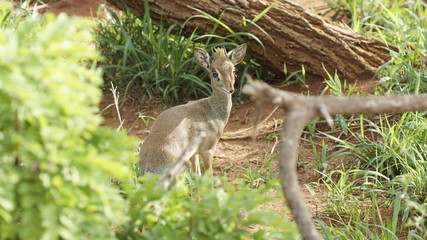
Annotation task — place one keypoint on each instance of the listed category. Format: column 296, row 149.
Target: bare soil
column 85, row 8
column 233, row 156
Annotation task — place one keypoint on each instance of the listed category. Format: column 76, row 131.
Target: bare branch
column 337, row 105
column 181, row 164
column 299, row 111
column 238, row 134
column 294, row 122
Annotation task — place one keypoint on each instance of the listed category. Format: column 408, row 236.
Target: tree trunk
column 298, row 36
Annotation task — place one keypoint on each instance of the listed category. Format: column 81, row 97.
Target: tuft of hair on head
column 221, row 54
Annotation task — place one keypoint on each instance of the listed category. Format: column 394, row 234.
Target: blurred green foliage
column 63, row 176
column 205, row 208
column 56, row 162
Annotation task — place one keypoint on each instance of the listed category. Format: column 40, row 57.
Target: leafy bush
column 56, row 162
column 204, row 208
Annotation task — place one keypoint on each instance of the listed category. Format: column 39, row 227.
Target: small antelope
column 174, row 128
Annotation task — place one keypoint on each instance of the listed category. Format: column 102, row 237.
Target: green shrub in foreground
column 56, row 162
column 204, row 208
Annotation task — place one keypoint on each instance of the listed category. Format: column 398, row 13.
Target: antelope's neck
column 221, row 103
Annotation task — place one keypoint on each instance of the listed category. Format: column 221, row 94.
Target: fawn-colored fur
column 175, row 128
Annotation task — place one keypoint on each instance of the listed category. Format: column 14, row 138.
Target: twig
column 235, row 135
column 258, row 133
column 116, row 96
column 299, row 110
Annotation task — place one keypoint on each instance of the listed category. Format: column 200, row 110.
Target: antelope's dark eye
column 234, row 73
column 214, row 73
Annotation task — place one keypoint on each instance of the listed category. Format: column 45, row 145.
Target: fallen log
column 298, row 37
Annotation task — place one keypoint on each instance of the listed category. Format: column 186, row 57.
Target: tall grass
column 12, row 18
column 157, row 57
column 357, row 206
column 392, row 21
column 385, row 196
column 395, row 147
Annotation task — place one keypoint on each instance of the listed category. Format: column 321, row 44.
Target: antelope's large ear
column 202, row 57
column 238, row 54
